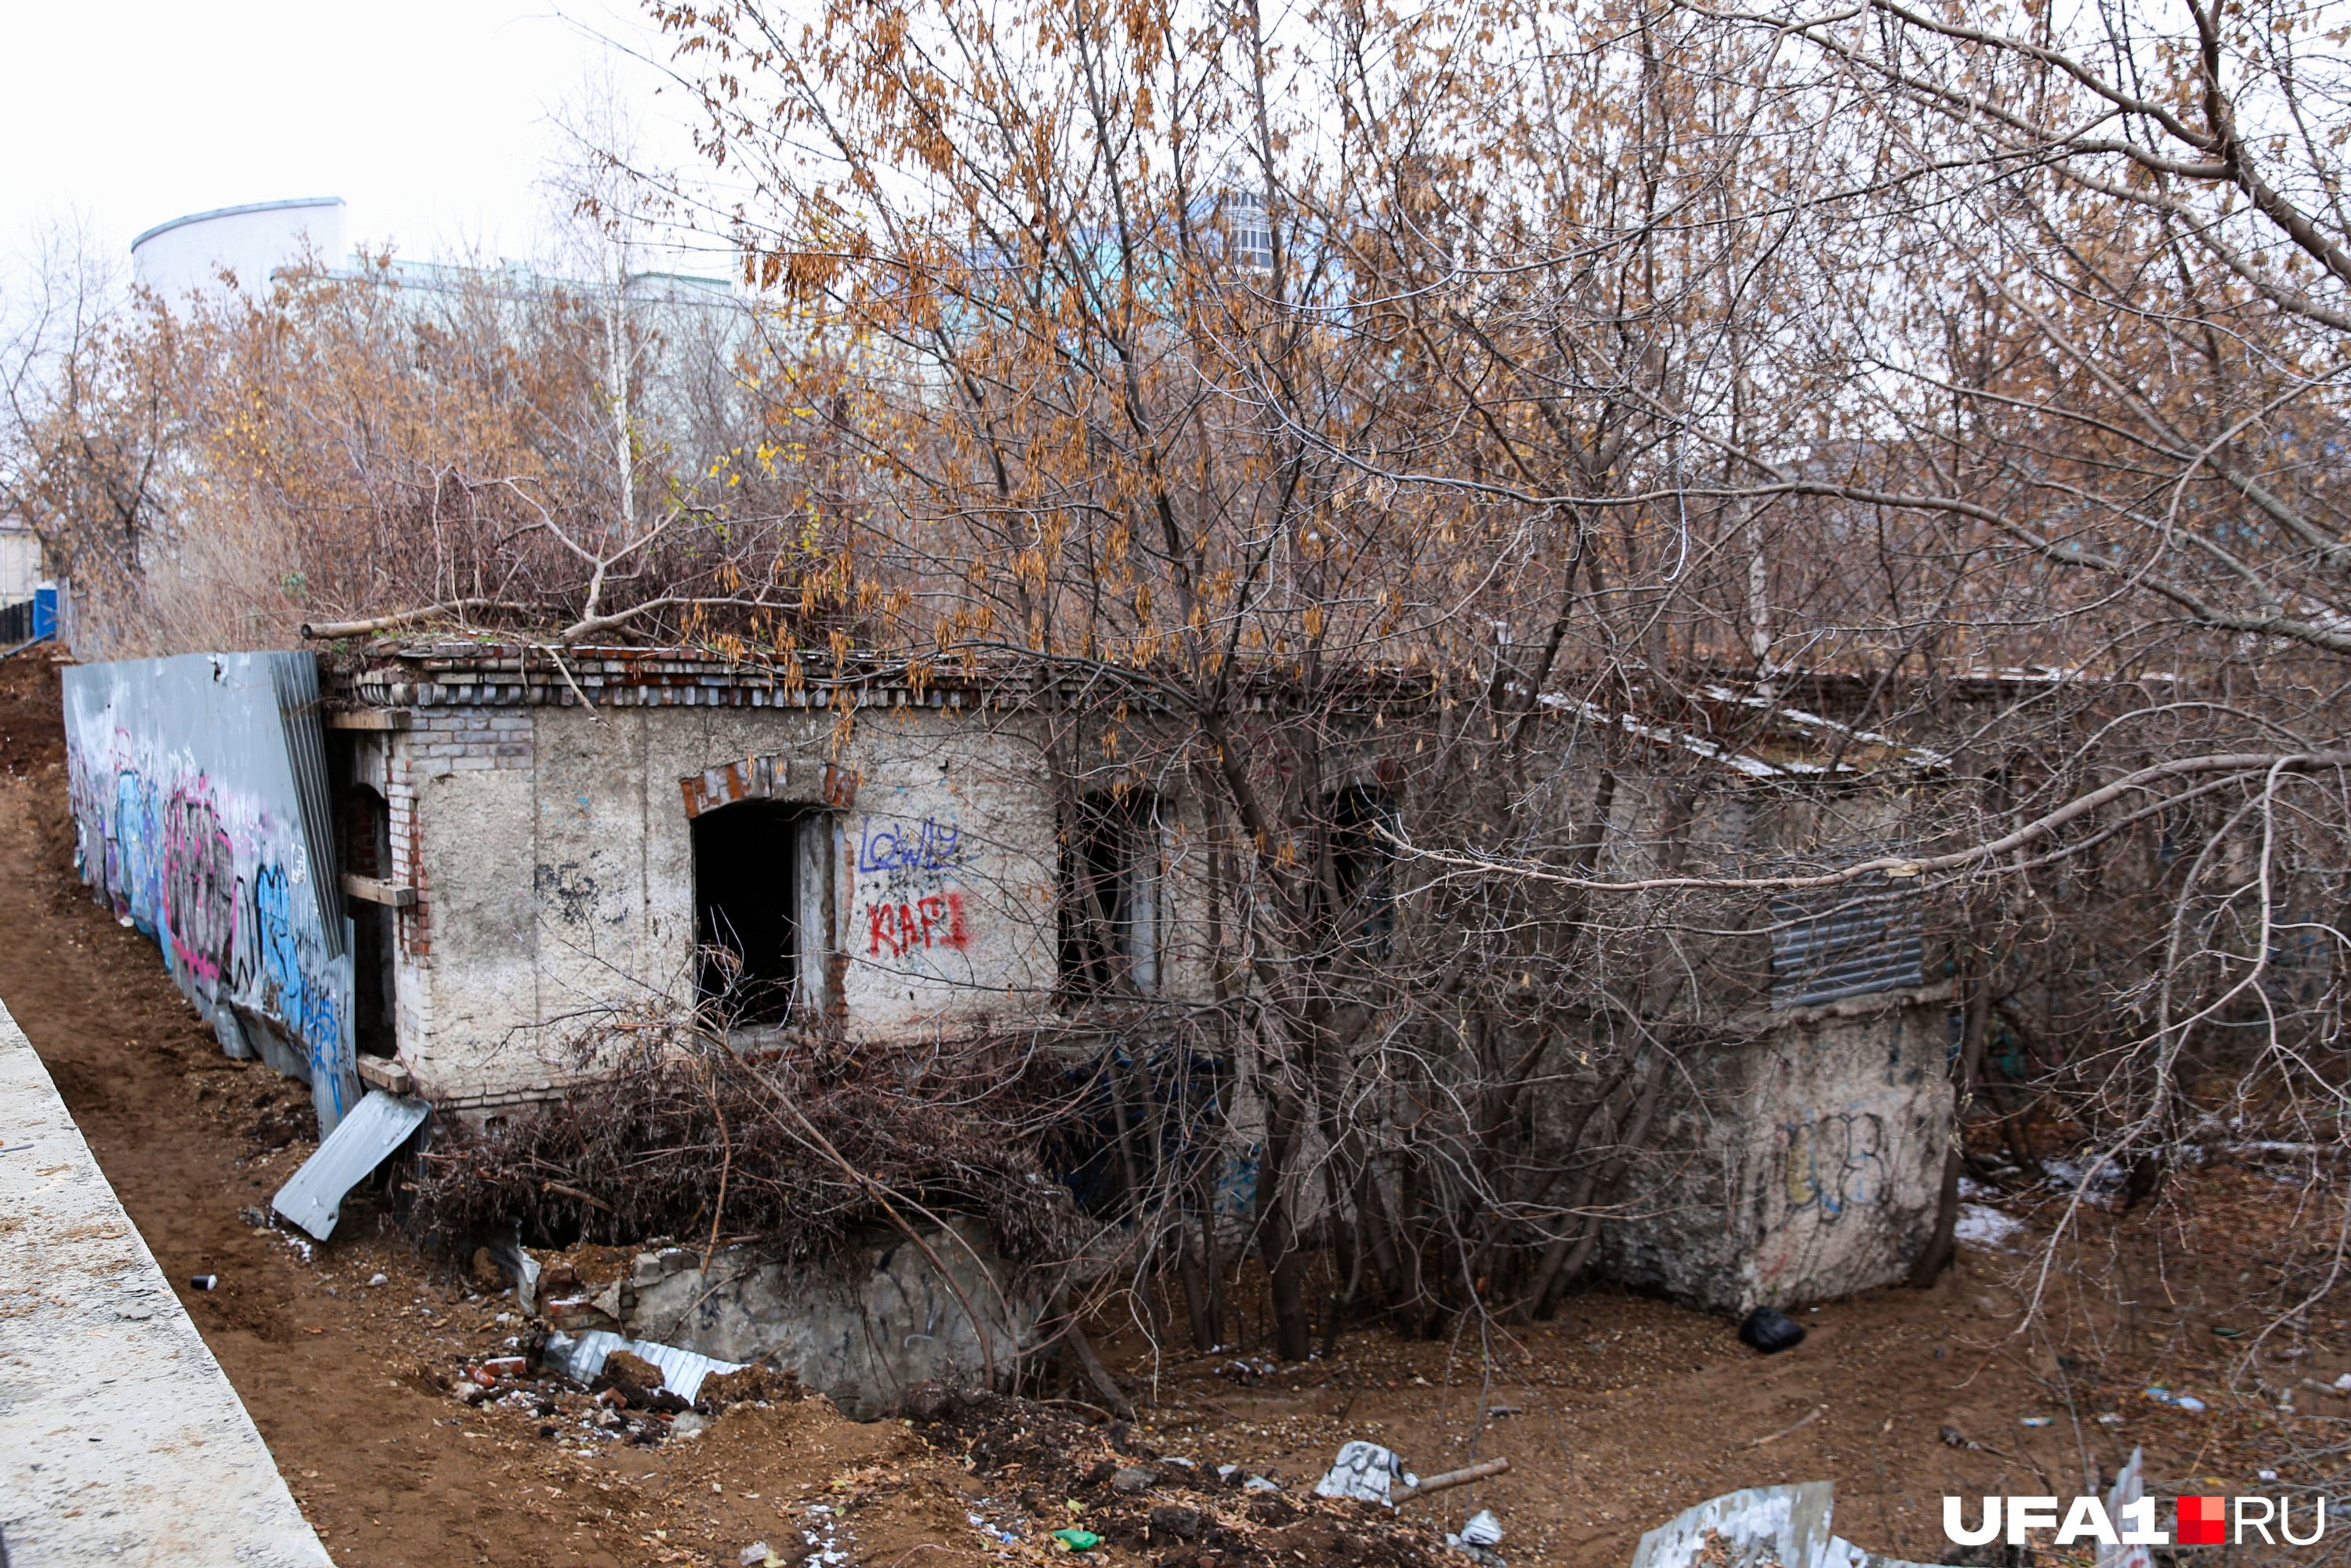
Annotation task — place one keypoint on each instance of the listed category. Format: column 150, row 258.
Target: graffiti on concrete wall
column 192, row 820
column 910, row 896
column 1830, row 1164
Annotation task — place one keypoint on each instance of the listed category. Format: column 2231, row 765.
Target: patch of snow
column 1979, row 1226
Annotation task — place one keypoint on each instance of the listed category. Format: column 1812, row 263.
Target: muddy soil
column 1614, row 1418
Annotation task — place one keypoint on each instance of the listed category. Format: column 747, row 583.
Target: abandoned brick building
column 489, row 848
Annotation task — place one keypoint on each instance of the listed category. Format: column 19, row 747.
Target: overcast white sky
column 429, row 118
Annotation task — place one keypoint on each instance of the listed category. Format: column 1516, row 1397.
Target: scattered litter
column 2266, row 1475
column 1363, row 1471
column 2129, row 1489
column 1955, row 1439
column 2344, row 1383
column 2111, row 1419
column 2163, row 1396
column 1483, row 1529
column 1501, row 1412
column 2065, row 1176
column 2040, row 1420
column 1259, row 1483
column 1770, row 1330
column 1077, row 1539
column 1479, row 1537
column 687, row 1424
column 758, row 1555
column 257, row 1217
column 506, row 1249
column 1979, row 1226
column 378, row 1279
column 205, row 1282
column 1174, row 1519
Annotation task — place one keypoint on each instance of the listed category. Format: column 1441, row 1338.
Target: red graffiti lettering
column 935, row 921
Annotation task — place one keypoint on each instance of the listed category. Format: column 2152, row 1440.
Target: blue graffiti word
column 933, row 845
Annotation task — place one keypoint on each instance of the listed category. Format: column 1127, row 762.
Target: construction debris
column 582, row 1358
column 1451, row 1479
column 1761, row 1527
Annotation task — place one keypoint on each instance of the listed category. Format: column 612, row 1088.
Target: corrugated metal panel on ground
column 1849, row 941
column 582, row 1358
column 1761, row 1527
column 364, row 1140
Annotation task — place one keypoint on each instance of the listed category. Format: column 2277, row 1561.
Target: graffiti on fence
column 199, row 885
column 189, row 825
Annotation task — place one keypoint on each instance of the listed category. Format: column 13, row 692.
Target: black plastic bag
column 1770, row 1330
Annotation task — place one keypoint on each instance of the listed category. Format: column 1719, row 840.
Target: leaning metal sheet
column 364, row 1140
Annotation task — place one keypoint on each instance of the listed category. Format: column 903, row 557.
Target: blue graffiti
column 137, row 872
column 296, row 989
column 933, row 845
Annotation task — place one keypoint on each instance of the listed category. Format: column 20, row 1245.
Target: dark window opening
column 1110, row 897
column 1361, row 889
column 367, row 852
column 746, row 881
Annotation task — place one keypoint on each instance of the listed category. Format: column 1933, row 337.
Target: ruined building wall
column 552, row 855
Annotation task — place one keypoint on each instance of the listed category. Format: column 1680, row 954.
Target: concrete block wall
column 1803, row 1164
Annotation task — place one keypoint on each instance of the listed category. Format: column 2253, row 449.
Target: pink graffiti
column 898, row 929
column 199, row 885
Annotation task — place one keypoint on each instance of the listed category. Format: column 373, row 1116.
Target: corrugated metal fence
column 201, row 814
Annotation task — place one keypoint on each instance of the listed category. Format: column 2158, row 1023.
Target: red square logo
column 2203, row 1521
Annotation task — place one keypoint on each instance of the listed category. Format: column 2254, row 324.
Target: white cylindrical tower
column 250, row 243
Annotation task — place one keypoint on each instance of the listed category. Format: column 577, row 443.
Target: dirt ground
column 1614, row 1418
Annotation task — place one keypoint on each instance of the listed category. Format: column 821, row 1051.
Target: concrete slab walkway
column 121, row 1439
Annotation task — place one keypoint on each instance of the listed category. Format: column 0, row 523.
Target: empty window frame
column 1111, row 885
column 1358, row 890
column 763, row 876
